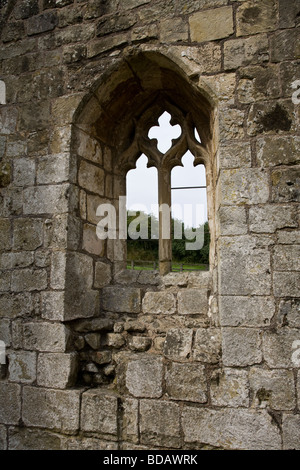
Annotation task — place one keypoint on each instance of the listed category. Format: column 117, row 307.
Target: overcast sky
column 188, row 205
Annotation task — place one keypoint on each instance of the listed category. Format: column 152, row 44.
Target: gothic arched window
column 164, row 154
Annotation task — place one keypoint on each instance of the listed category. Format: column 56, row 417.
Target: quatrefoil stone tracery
column 165, row 133
column 144, row 144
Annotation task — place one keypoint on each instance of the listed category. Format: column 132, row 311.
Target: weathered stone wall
column 99, row 357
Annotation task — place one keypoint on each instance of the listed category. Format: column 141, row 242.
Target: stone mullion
column 164, row 199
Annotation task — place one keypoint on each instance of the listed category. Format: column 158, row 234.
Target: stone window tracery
column 164, row 158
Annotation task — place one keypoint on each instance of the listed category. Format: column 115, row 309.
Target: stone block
column 271, row 118
column 3, row 140
column 93, row 340
column 235, row 155
column 49, row 199
column 45, row 337
column 5, row 174
column 72, row 54
column 186, row 382
column 115, row 340
column 3, row 438
column 159, row 432
column 22, row 366
column 245, row 51
column 286, row 284
column 57, row 370
column 90, row 241
column 223, row 85
column 13, row 31
column 16, row 148
column 139, row 343
column 204, row 57
column 144, row 377
column 58, row 270
column 12, row 260
column 288, row 314
column 229, row 387
column 193, row 302
column 298, row 378
column 289, row 73
column 144, row 32
column 115, row 24
column 207, row 345
column 81, row 301
column 241, row 429
column 29, row 280
column 52, row 305
column 231, row 124
column 10, row 398
column 258, row 83
column 53, row 169
column 88, row 443
column 159, row 303
column 24, row 172
column 16, row 305
column 5, row 281
column 55, row 3
column 233, row 220
column 286, row 185
column 272, row 388
column 284, row 45
column 52, row 409
column 246, row 311
column 8, row 120
column 60, row 140
column 130, row 4
column 89, row 148
column 212, row 24
column 63, row 108
column 241, row 346
column 105, row 44
column 291, row 432
column 26, row 9
column 272, row 217
column 289, row 237
column 34, row 114
column 34, row 439
column 286, row 258
column 121, row 299
column 27, row 234
column 91, row 177
column 5, row 235
column 130, row 427
column 178, row 343
column 281, row 348
column 173, row 30
column 244, row 266
column 273, row 151
column 244, row 186
column 256, row 16
column 41, row 23
column 99, row 413
column 288, row 10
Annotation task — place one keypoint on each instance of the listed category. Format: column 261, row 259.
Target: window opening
column 142, row 216
column 165, row 145
column 190, row 241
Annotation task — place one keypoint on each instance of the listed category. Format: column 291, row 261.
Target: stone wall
column 100, row 357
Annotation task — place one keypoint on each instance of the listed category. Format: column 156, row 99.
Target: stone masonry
column 101, row 357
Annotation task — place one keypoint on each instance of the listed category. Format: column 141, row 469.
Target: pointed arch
column 115, row 118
